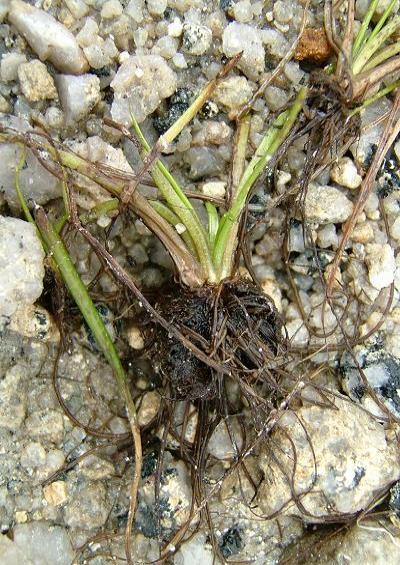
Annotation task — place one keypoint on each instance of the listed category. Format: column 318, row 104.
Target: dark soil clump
column 234, row 324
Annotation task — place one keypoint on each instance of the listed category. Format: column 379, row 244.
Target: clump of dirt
column 235, row 324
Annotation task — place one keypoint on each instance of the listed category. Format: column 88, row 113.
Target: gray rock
column 42, row 542
column 370, row 541
column 196, row 39
column 232, row 92
column 175, row 498
column 344, row 172
column 10, row 553
column 327, row 205
column 196, row 550
column 242, row 37
column 46, row 425
column 381, row 264
column 140, row 84
column 47, row 37
column 381, row 371
column 12, row 398
column 88, row 507
column 363, row 149
column 343, row 458
column 34, row 322
column 78, row 95
column 9, row 65
column 227, row 440
column 36, row 182
column 203, row 162
column 21, row 265
column 275, row 42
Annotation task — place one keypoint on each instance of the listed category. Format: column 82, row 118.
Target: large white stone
column 244, row 38
column 47, row 37
column 335, row 458
column 381, row 264
column 21, row 265
column 36, row 182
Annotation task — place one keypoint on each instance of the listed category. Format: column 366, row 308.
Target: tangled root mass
column 234, row 323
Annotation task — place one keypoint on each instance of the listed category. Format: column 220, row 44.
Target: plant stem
column 174, row 220
column 360, row 39
column 373, row 43
column 180, row 205
column 103, row 339
column 197, row 105
column 229, row 224
column 239, row 155
column 374, row 98
column 383, row 55
column 213, row 222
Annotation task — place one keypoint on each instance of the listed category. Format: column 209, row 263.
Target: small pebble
column 135, row 337
column 36, row 82
column 111, row 9
column 232, row 92
column 327, row 204
column 381, row 264
column 196, row 39
column 78, row 95
column 344, row 172
column 244, row 38
column 56, row 493
column 214, row 189
column 21, row 265
column 9, row 65
column 175, row 28
column 156, row 7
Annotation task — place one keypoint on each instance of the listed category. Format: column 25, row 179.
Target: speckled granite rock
column 339, row 473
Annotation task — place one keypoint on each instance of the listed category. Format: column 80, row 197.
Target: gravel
column 327, row 205
column 65, row 67
column 139, row 86
column 244, row 38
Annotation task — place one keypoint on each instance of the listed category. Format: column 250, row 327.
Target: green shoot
column 213, row 222
column 365, row 46
column 363, row 31
column 271, row 142
column 175, row 221
column 181, row 206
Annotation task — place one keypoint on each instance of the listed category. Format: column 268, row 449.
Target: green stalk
column 197, row 104
column 81, row 296
column 226, row 237
column 98, row 210
column 213, row 222
column 360, row 39
column 180, row 205
column 382, row 19
column 239, row 155
column 383, row 55
column 20, row 196
column 373, row 44
column 174, row 220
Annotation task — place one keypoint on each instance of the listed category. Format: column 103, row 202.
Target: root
column 236, row 326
